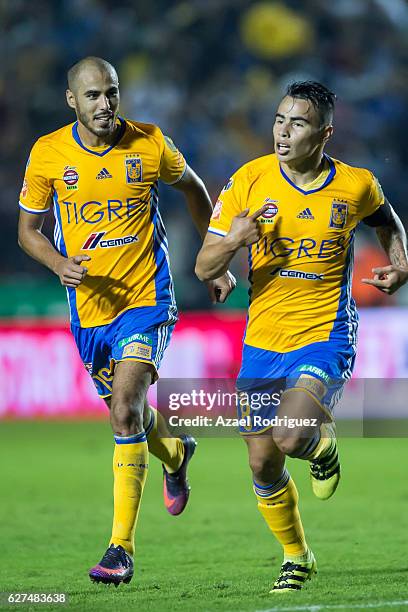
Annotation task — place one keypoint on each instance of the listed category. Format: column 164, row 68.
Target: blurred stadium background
column 210, row 73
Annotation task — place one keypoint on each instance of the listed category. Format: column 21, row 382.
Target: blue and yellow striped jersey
column 301, row 268
column 105, row 202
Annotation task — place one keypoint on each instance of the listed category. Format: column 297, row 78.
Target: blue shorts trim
column 265, row 375
column 139, row 334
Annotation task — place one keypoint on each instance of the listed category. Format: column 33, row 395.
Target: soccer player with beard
column 100, row 175
column 297, row 211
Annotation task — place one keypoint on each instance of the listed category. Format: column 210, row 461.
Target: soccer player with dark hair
column 100, row 175
column 297, row 211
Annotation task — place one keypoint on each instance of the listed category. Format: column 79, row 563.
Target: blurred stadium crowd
column 210, row 73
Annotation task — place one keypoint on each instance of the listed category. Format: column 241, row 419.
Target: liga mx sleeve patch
column 136, row 349
column 216, row 214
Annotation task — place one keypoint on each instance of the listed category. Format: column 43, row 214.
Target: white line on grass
column 317, row 608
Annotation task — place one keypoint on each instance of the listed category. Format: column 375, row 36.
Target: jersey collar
column 328, row 180
column 119, row 135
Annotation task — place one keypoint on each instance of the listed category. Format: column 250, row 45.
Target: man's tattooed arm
column 393, row 239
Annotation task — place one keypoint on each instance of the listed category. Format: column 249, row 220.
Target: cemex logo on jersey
column 297, row 274
column 95, row 240
column 103, row 174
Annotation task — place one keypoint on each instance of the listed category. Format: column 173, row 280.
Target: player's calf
column 308, row 433
column 322, row 453
column 291, row 444
column 299, row 418
column 265, row 459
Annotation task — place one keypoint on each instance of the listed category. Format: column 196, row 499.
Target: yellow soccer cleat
column 293, row 575
column 324, row 463
column 325, row 473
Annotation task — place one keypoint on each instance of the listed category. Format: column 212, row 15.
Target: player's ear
column 70, row 98
column 327, row 133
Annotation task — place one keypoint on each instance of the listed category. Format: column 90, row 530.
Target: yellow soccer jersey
column 105, row 202
column 300, row 271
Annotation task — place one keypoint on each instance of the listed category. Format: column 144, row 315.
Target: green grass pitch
column 56, row 510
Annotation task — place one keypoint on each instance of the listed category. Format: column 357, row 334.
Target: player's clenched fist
column 245, row 229
column 70, row 271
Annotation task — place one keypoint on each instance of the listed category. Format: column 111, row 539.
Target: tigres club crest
column 338, row 215
column 134, row 169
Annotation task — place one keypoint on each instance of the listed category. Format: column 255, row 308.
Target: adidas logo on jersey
column 104, row 173
column 306, row 214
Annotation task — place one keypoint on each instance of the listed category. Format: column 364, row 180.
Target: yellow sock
column 169, row 450
column 130, row 465
column 281, row 513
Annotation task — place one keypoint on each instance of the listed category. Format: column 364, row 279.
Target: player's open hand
column 220, row 288
column 387, row 279
column 70, row 271
column 245, row 229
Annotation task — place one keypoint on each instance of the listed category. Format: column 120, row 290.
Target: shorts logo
column 338, row 215
column 141, row 337
column 70, row 177
column 217, row 210
column 134, row 169
column 136, row 349
column 270, row 213
column 315, row 370
column 95, row 240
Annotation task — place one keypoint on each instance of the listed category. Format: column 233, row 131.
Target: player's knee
column 125, row 418
column 291, row 445
column 263, row 468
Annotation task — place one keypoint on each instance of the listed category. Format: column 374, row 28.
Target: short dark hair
column 75, row 70
column 320, row 96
